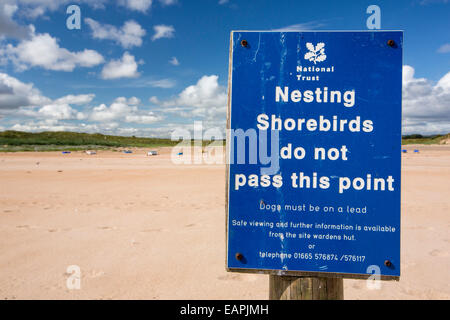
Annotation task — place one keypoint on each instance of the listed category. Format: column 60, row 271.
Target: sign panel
column 314, row 151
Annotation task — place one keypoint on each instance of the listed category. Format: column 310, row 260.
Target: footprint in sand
column 357, row 285
column 438, row 253
column 239, row 277
column 230, row 276
column 26, row 226
column 106, row 228
column 154, row 230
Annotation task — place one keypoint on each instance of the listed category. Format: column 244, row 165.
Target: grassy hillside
column 419, row 139
column 73, row 141
column 48, row 141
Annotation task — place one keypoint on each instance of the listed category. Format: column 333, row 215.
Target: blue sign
column 315, row 153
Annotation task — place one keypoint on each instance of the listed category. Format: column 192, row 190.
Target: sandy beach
column 143, row 228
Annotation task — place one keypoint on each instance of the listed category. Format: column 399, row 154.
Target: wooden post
column 305, row 288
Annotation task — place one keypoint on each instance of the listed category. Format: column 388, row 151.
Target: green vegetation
column 419, row 139
column 11, row 141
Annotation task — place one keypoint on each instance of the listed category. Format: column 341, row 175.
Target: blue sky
column 142, row 67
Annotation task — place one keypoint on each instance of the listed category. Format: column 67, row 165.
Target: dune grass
column 73, row 141
column 419, row 139
column 14, row 141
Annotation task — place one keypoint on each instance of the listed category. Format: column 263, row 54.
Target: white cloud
column 206, row 99
column 151, row 82
column 8, row 27
column 144, row 5
column 133, row 101
column 168, row 2
column 174, row 61
column 154, row 100
column 59, row 112
column 163, row 83
column 59, row 109
column 426, row 106
column 223, row 1
column 163, row 31
column 137, row 5
column 57, row 125
column 42, row 50
column 445, row 48
column 14, row 93
column 129, row 35
column 123, row 109
column 142, row 119
column 79, row 99
column 122, row 68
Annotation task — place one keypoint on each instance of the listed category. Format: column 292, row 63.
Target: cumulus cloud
column 163, row 31
column 129, row 35
column 144, row 5
column 125, row 110
column 206, row 99
column 174, row 61
column 15, row 94
column 42, row 50
column 445, row 48
column 59, row 109
column 426, row 106
column 136, row 5
column 24, row 108
column 126, row 67
column 154, row 100
column 57, row 125
column 59, row 112
column 79, row 99
column 8, row 27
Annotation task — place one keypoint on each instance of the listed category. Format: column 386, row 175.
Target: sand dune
column 141, row 227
